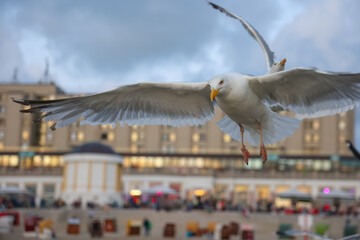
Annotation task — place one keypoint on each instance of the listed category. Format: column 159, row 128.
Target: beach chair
column 169, row 230
column 350, row 230
column 321, row 229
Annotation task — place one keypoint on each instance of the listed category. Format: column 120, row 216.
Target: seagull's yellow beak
column 283, row 61
column 213, row 94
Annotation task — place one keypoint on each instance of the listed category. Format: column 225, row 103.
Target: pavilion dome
column 94, row 147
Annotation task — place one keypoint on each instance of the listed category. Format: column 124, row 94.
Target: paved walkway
column 265, row 224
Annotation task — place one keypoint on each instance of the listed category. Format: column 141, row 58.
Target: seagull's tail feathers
column 274, row 129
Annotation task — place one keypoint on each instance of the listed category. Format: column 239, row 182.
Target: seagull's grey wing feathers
column 269, row 55
column 173, row 104
column 308, row 92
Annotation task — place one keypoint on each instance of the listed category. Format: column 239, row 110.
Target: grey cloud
column 325, row 36
column 109, row 39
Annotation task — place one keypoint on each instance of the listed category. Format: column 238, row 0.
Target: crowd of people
column 208, row 204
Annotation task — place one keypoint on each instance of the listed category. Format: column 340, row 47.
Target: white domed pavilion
column 92, row 173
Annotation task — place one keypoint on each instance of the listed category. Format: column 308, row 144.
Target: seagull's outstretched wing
column 269, row 55
column 173, row 104
column 308, row 92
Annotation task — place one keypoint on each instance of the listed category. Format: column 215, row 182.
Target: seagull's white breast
column 240, row 103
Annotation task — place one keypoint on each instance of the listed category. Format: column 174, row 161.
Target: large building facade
column 183, row 158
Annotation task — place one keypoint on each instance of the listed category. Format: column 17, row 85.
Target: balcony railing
column 234, row 173
column 37, row 171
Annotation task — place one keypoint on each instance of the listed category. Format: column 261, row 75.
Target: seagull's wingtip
column 18, row 100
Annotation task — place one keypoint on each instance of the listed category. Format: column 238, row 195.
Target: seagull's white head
column 218, row 85
column 278, row 66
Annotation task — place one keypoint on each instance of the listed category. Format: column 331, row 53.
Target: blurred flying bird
column 269, row 55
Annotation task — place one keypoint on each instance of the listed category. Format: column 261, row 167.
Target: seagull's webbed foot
column 263, row 153
column 246, row 154
column 244, row 151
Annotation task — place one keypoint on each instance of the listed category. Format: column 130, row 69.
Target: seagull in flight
column 269, row 55
column 246, row 100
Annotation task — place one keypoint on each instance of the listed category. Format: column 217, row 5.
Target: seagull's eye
column 275, row 64
column 221, row 82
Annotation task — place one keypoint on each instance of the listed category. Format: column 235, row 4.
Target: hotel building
column 186, row 158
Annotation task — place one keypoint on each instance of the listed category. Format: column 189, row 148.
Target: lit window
column 80, row 136
column 54, row 161
column 25, row 135
column 172, row 137
column 199, row 162
column 195, row 149
column 327, row 165
column 5, row 160
column 37, row 161
column 195, row 137
column 316, row 124
column 159, row 162
column 307, row 137
column 316, row 138
column 111, row 136
column 317, row 165
column 14, row 161
column 227, row 138
column 342, row 125
column 134, row 136
column 47, row 161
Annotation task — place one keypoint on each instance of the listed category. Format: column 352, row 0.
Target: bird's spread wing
column 308, row 92
column 269, row 55
column 173, row 104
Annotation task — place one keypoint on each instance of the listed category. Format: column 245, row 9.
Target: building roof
column 94, row 147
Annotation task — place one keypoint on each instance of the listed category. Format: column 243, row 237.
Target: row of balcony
column 217, row 173
column 243, row 173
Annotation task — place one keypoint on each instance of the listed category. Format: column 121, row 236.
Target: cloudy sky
column 98, row 45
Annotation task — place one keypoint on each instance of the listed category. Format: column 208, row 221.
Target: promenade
column 265, row 225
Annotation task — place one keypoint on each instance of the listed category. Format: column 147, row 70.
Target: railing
column 37, row 171
column 237, row 173
column 223, row 173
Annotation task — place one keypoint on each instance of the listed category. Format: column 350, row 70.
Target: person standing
column 147, row 226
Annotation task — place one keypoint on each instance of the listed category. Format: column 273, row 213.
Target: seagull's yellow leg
column 263, row 153
column 244, row 151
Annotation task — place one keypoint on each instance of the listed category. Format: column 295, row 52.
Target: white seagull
column 272, row 66
column 246, row 101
